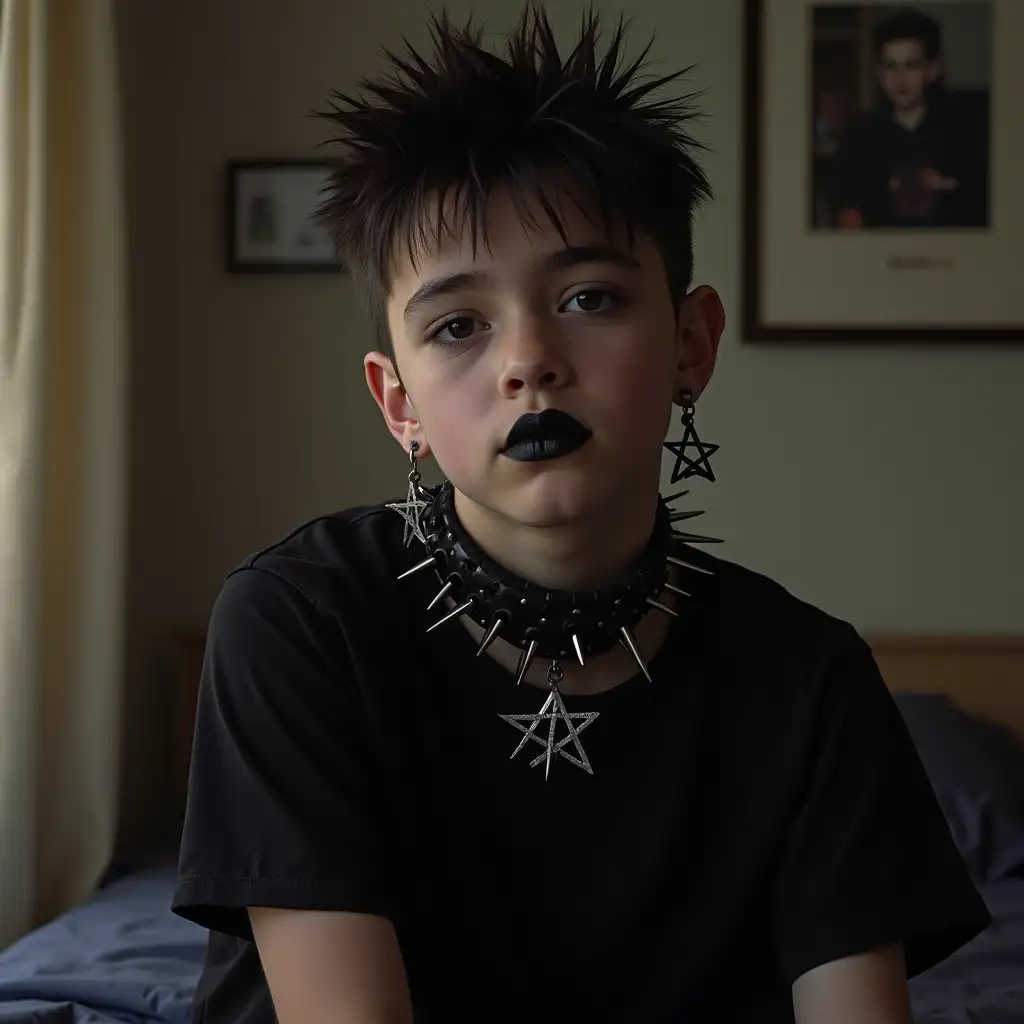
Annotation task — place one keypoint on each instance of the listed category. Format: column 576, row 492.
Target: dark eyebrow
column 438, row 286
column 560, row 259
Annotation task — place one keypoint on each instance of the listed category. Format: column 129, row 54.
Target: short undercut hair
column 909, row 24
column 423, row 146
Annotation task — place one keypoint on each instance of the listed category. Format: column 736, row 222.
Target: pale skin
column 593, row 332
column 905, row 71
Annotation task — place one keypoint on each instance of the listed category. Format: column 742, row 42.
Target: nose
column 532, row 360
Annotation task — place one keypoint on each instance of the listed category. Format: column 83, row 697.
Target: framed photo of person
column 883, row 171
column 269, row 225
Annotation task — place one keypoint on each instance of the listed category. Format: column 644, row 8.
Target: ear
column 699, row 327
column 933, row 70
column 393, row 401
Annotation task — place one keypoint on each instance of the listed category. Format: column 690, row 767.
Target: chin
column 546, row 511
column 553, row 496
column 558, row 492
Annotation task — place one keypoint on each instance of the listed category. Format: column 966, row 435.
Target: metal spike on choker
column 542, row 623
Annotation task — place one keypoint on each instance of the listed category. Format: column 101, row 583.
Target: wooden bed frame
column 984, row 675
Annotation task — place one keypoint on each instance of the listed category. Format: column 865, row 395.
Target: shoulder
column 364, row 536
column 330, row 558
column 864, row 128
column 320, row 583
column 760, row 613
column 773, row 650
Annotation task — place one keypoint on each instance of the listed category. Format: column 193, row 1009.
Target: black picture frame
column 265, row 229
column 756, row 329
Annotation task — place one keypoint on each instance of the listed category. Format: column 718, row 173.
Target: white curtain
column 63, row 372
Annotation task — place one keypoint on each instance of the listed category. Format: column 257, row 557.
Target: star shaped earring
column 415, row 504
column 687, row 465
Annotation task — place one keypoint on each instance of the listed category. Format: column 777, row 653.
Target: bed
column 123, row 958
column 963, row 701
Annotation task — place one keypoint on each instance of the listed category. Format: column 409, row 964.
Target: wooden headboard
column 984, row 675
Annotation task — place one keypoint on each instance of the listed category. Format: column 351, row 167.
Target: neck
column 911, row 117
column 586, row 553
column 582, row 555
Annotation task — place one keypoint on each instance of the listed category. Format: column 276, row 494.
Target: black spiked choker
column 550, row 624
column 554, row 624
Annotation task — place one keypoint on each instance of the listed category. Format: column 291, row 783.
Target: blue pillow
column 977, row 772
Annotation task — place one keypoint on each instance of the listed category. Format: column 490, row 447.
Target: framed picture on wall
column 269, row 225
column 883, row 171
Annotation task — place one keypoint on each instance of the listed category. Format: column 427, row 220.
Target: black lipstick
column 550, row 434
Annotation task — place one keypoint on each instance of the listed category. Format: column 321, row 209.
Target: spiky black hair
column 424, row 145
column 909, row 23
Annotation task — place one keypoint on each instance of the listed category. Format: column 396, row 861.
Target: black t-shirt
column 879, row 165
column 755, row 811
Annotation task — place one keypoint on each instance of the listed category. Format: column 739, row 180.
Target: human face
column 529, row 323
column 905, row 72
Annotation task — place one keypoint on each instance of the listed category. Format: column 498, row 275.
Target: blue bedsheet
column 982, row 983
column 120, row 958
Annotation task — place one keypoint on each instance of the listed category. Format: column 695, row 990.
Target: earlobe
column 393, row 400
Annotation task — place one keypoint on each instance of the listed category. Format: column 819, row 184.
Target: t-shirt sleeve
column 869, row 860
column 280, row 808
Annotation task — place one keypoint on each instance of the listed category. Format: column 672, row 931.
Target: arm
column 869, row 988
column 871, row 889
column 282, row 733
column 331, row 967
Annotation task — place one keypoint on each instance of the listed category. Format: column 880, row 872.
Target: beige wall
column 884, row 484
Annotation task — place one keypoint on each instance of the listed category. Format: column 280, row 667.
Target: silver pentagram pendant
column 553, row 712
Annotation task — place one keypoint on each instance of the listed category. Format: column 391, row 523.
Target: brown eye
column 591, row 300
column 460, row 327
column 455, row 330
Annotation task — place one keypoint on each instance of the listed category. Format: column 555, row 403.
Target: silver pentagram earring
column 416, row 502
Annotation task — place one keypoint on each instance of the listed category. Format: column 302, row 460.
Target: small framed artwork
column 883, row 171
column 270, row 226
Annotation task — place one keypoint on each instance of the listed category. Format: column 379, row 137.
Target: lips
column 551, row 434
